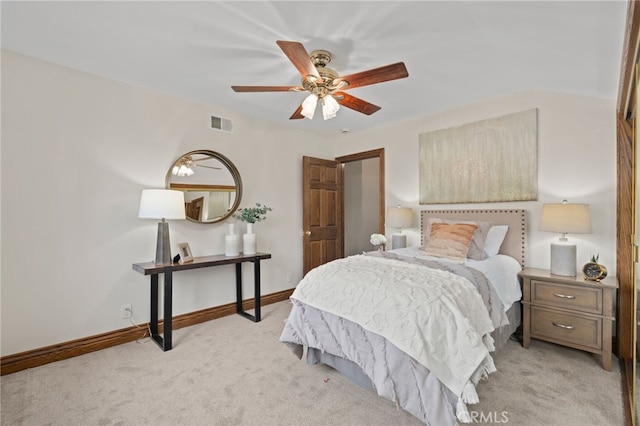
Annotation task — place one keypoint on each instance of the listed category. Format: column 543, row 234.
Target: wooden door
column 322, row 215
column 193, row 209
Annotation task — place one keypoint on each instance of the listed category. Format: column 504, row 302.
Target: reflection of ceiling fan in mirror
column 325, row 84
column 184, row 166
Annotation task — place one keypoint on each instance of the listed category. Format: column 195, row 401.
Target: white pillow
column 494, row 239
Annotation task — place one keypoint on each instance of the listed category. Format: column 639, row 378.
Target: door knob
column 307, row 233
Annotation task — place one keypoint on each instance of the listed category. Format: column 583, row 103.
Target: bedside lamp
column 399, row 217
column 565, row 218
column 162, row 204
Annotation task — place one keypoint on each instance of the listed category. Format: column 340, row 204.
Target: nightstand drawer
column 576, row 329
column 583, row 299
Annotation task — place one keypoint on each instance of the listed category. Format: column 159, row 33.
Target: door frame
column 374, row 153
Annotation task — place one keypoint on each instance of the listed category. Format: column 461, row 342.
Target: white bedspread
column 435, row 316
column 501, row 270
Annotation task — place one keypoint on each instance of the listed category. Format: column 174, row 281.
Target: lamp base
column 563, row 259
column 398, row 241
column 163, row 246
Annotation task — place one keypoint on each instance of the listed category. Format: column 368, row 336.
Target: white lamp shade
column 566, row 218
column 161, row 204
column 399, row 217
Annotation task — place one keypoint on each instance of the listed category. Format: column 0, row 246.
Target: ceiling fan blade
column 356, row 104
column 297, row 113
column 266, row 88
column 376, row 75
column 299, row 57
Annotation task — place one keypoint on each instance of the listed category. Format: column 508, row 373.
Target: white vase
column 231, row 242
column 249, row 241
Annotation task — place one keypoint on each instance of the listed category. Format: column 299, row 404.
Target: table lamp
column 162, row 204
column 565, row 218
column 399, row 217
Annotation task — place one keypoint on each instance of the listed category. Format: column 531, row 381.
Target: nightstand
column 569, row 311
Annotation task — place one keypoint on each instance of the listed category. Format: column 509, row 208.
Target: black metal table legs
column 256, row 287
column 164, row 340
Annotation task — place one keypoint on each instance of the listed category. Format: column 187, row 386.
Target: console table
column 150, row 268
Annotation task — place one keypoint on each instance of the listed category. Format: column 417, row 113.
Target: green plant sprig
column 252, row 214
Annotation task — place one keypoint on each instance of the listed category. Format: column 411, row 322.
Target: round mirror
column 211, row 184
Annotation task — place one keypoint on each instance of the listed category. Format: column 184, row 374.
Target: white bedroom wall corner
column 71, row 259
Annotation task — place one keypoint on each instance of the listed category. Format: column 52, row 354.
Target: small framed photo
column 185, row 253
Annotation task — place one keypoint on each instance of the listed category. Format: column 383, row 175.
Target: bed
column 418, row 324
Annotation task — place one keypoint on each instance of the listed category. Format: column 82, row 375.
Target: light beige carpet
column 231, row 371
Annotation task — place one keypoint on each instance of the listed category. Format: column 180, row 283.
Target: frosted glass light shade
column 329, row 107
column 182, row 170
column 161, row 204
column 309, row 106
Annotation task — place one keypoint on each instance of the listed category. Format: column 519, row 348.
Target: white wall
column 576, row 161
column 361, row 203
column 78, row 149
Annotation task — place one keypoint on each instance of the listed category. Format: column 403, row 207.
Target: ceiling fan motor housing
column 320, row 58
column 325, row 85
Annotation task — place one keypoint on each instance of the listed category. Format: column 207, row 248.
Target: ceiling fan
column 184, row 166
column 326, row 84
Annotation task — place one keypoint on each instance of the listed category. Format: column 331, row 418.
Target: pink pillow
column 477, row 247
column 450, row 240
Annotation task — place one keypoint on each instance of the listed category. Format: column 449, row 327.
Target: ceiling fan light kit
column 182, row 170
column 184, row 166
column 326, row 84
column 329, row 106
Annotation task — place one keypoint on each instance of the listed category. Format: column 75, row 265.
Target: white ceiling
column 456, row 52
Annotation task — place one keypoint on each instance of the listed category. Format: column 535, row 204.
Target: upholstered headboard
column 514, row 243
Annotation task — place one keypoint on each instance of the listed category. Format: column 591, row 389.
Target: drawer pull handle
column 564, row 296
column 566, row 327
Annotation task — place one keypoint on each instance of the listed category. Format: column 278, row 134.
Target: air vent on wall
column 222, row 124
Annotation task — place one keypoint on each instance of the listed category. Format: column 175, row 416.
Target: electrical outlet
column 126, row 311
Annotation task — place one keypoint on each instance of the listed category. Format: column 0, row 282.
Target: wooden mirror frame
column 186, row 187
